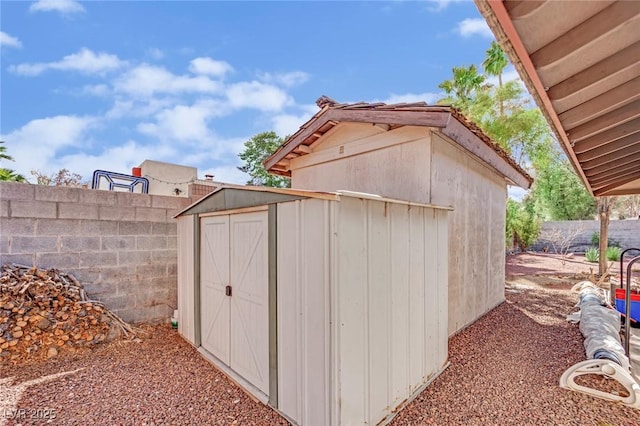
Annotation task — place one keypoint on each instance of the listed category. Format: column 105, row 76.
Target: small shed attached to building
column 428, row 154
column 331, row 307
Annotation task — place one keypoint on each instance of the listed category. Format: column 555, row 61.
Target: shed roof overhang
column 581, row 63
column 233, row 197
column 447, row 120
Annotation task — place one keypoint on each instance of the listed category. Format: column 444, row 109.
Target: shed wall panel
column 303, row 310
column 418, row 315
column 186, row 259
column 388, row 344
column 344, row 133
column 476, row 231
column 376, row 172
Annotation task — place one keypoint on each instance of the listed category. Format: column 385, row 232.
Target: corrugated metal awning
column 581, row 62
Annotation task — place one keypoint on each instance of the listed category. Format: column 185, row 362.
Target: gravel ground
column 548, row 264
column 161, row 381
column 504, row 371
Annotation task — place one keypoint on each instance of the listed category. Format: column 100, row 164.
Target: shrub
column 595, row 241
column 613, row 253
column 592, row 255
column 523, row 225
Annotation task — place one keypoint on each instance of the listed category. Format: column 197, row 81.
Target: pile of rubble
column 43, row 312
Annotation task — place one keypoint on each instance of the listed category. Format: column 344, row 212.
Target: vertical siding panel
column 299, row 260
column 441, row 285
column 399, row 360
column 288, row 367
column 417, row 310
column 315, row 311
column 186, row 259
column 335, row 361
column 352, row 266
column 379, row 308
column 431, row 284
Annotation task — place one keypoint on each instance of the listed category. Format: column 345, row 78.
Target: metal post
column 622, row 262
column 627, row 304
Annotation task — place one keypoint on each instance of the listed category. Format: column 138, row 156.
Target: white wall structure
column 167, row 178
column 426, row 154
column 355, row 291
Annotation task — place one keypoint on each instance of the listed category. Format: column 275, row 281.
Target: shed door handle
column 227, row 290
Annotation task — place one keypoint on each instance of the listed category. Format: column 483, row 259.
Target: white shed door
column 249, row 302
column 235, row 328
column 214, row 277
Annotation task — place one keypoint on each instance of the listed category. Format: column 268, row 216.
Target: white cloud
column 208, row 66
column 227, row 174
column 155, row 53
column 36, row 144
column 85, row 61
column 95, row 90
column 474, row 26
column 182, row 122
column 65, row 7
column 288, row 79
column 264, row 97
column 516, row 193
column 440, row 5
column 118, row 158
column 137, row 108
column 427, row 97
column 147, row 80
column 9, row 41
column 288, row 124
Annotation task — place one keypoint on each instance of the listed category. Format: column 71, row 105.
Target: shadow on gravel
column 505, row 370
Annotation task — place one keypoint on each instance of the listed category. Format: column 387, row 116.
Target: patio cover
column 580, row 61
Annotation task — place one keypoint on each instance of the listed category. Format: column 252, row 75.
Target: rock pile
column 44, row 311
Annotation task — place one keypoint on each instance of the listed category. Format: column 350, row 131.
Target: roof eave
column 502, row 27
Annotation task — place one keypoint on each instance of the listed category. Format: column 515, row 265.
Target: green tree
column 560, row 195
column 256, row 151
column 494, row 64
column 8, row 174
column 3, row 152
column 462, row 88
column 522, row 224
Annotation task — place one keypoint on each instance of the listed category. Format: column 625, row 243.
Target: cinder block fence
column 121, row 246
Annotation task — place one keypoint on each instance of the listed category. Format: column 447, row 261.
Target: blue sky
column 106, row 85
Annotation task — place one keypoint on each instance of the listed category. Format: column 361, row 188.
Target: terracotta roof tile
column 328, row 104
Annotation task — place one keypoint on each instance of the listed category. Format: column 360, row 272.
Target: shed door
column 249, row 302
column 214, row 277
column 235, row 328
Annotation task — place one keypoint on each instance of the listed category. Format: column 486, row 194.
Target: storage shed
column 429, row 154
column 330, row 307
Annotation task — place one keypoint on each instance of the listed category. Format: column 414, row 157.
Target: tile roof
column 332, row 112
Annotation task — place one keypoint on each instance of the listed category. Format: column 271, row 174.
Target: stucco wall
column 476, row 230
column 429, row 169
column 391, row 171
column 121, row 246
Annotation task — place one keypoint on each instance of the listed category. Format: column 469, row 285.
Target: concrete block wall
column 121, row 246
column 626, row 232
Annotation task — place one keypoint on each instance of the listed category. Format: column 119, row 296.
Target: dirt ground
column 504, row 371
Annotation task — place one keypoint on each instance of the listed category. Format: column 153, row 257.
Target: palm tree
column 462, row 87
column 7, row 175
column 3, row 153
column 494, row 64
